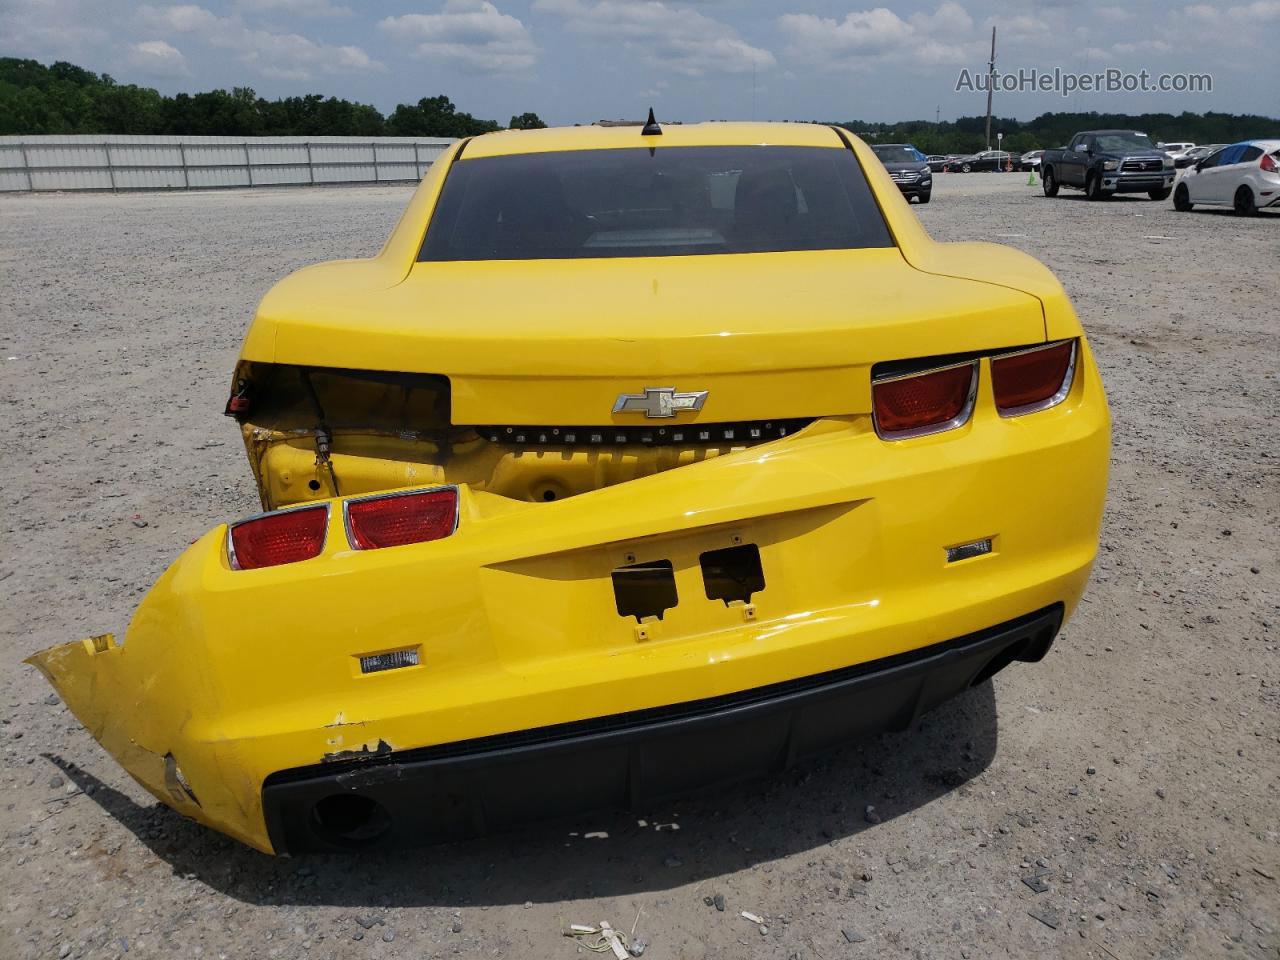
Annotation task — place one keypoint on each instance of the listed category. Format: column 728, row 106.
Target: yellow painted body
column 237, row 674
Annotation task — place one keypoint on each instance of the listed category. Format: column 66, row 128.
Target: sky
column 574, row 61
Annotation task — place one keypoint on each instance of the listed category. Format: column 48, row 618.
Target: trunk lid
column 770, row 335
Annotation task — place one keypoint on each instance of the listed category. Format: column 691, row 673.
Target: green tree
column 64, row 98
column 125, row 109
column 526, row 121
column 435, row 117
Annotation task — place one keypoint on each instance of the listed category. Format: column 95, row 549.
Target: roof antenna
column 651, row 128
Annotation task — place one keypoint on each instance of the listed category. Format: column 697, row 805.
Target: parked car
column 937, row 161
column 616, row 473
column 986, row 160
column 1106, row 162
column 1195, row 155
column 909, row 169
column 1244, row 176
column 1176, row 150
column 1030, row 160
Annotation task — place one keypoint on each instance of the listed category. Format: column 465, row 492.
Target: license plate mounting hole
column 732, row 574
column 646, row 589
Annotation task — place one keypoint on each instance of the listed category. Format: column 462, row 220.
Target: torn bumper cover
column 242, row 698
column 476, row 786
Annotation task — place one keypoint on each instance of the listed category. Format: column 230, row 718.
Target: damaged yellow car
column 639, row 459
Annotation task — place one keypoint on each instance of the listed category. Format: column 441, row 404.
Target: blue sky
column 583, row 60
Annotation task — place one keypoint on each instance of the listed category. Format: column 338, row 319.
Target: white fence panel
column 92, row 162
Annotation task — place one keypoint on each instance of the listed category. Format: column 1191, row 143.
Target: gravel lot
column 1137, row 768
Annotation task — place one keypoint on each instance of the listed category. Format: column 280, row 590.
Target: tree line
column 64, row 98
column 967, row 134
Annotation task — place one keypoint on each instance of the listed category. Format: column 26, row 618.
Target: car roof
column 715, row 134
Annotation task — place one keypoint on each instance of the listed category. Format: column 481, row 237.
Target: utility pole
column 991, row 82
column 937, row 115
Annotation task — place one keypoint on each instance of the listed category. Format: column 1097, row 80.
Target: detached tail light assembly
column 371, row 523
column 936, row 399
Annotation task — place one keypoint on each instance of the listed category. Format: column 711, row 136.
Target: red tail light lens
column 276, row 538
column 1032, row 380
column 922, row 403
column 401, row 518
column 1268, row 163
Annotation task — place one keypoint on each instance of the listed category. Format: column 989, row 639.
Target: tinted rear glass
column 673, row 201
column 897, row 154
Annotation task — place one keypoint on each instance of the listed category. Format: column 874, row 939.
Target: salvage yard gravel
column 1120, row 799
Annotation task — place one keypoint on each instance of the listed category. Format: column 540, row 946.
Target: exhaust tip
column 350, row 820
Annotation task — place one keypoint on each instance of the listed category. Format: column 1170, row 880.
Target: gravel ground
column 1136, row 769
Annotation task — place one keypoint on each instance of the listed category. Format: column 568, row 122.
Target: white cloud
column 52, row 29
column 1141, row 46
column 1023, row 29
column 183, row 18
column 865, row 38
column 672, row 38
column 158, row 58
column 472, row 33
column 293, row 8
column 949, row 18
column 1258, row 12
column 289, row 56
column 1115, row 14
column 1261, row 10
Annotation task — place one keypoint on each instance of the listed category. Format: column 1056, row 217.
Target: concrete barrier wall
column 96, row 162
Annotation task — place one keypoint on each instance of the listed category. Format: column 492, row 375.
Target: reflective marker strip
column 389, row 661
column 966, row 551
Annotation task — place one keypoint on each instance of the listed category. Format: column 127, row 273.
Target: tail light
column 276, row 538
column 1032, row 380
column 396, row 519
column 1268, row 163
column 916, row 404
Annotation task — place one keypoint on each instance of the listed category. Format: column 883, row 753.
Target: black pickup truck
column 1103, row 162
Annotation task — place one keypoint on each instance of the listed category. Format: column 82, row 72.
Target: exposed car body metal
column 241, row 699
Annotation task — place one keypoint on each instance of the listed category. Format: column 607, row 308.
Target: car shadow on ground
column 1229, row 212
column 720, row 832
column 1115, row 198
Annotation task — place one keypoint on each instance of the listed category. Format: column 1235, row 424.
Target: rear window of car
column 1231, row 154
column 895, row 154
column 664, row 202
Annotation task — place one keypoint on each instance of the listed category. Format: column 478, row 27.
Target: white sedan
column 1244, row 176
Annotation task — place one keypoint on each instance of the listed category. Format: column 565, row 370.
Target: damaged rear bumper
column 473, row 787
column 230, row 680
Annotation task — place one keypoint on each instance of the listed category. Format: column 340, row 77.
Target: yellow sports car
column 638, row 459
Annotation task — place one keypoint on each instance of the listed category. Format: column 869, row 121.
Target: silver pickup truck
column 1104, row 162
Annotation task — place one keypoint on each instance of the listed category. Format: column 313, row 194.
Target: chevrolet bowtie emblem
column 658, row 402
